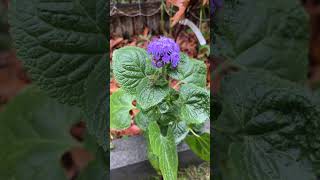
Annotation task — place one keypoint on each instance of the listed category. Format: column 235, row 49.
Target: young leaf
column 143, row 118
column 195, row 104
column 164, row 148
column 60, row 43
column 121, row 104
column 190, row 71
column 129, row 66
column 200, row 145
column 149, row 95
column 33, row 140
column 267, row 34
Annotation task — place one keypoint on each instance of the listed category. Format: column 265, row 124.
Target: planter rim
column 133, row 150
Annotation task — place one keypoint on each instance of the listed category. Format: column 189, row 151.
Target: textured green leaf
column 149, row 95
column 195, row 107
column 180, row 130
column 95, row 106
column 200, row 145
column 143, row 118
column 269, row 126
column 152, row 157
column 60, row 42
column 164, row 107
column 267, row 34
column 121, row 104
column 129, row 67
column 169, row 109
column 190, row 71
column 33, row 140
column 169, row 117
column 164, row 148
column 254, row 159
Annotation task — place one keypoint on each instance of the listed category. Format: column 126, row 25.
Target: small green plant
column 167, row 116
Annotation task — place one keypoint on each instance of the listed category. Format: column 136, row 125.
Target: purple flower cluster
column 164, row 51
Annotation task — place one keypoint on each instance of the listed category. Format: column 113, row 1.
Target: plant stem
column 194, row 133
column 162, row 23
column 164, row 72
column 200, row 23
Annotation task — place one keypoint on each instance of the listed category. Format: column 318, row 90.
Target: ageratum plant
column 167, row 115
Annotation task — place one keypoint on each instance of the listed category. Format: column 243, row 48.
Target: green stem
column 164, row 72
column 191, row 130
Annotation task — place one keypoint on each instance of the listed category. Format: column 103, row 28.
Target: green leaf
column 195, row 104
column 180, row 130
column 169, row 109
column 164, row 107
column 255, row 160
column 152, row 157
column 143, row 118
column 149, row 95
column 268, row 126
column 60, row 42
column 95, row 106
column 33, row 140
column 200, row 145
column 164, row 148
column 267, row 34
column 190, row 71
column 121, row 104
column 96, row 169
column 129, row 66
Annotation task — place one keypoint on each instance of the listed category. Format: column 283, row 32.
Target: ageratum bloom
column 164, row 51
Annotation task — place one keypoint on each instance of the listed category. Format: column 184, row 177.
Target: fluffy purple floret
column 164, row 51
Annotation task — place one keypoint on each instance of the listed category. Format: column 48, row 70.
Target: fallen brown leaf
column 205, row 2
column 182, row 5
column 114, row 42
